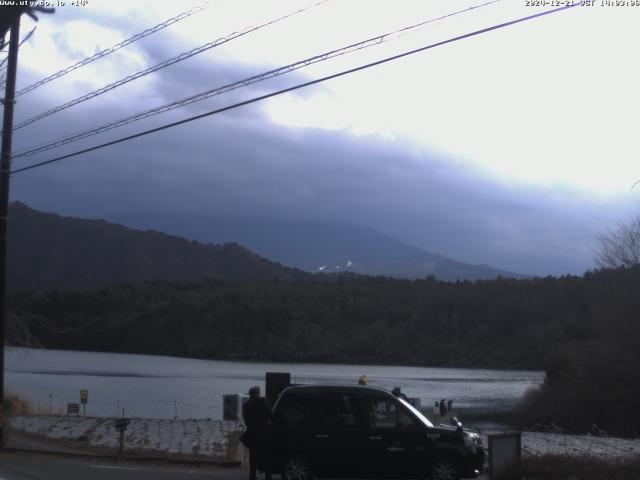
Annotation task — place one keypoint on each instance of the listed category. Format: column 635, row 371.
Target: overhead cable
column 3, row 80
column 114, row 48
column 27, row 36
column 166, row 63
column 296, row 87
column 241, row 83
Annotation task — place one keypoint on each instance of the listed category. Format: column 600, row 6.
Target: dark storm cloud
column 203, row 73
column 248, row 166
column 240, row 163
column 175, row 83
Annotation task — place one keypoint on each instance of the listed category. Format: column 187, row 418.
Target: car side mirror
column 456, row 423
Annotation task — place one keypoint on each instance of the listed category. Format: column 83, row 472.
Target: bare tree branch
column 619, row 247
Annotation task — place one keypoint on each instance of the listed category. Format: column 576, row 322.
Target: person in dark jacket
column 257, row 416
column 443, row 407
column 398, row 393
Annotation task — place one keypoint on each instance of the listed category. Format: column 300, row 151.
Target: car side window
column 293, row 410
column 404, row 419
column 337, row 409
column 386, row 413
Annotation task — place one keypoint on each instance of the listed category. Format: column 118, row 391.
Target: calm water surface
column 165, row 387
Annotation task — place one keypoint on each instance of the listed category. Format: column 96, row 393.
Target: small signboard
column 121, row 424
column 73, row 409
column 276, row 382
column 84, row 396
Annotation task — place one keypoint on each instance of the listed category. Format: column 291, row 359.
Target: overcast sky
column 512, row 148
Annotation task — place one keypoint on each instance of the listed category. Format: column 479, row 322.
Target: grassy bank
column 15, row 405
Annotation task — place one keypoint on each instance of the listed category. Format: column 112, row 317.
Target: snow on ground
column 210, row 438
column 203, row 437
column 538, row 443
column 70, row 428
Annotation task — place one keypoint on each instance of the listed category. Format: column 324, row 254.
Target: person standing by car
column 443, row 407
column 257, row 416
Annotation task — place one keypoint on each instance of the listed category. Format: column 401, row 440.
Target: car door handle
column 375, row 437
column 395, row 449
column 321, row 435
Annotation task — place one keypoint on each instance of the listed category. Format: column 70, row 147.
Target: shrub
column 14, row 405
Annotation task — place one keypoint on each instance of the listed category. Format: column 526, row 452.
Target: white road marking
column 113, row 467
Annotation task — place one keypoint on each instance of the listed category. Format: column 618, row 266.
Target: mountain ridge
column 47, row 250
column 309, row 245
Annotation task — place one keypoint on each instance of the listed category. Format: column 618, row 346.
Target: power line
column 114, row 48
column 2, row 63
column 27, row 36
column 166, row 63
column 296, row 87
column 241, row 83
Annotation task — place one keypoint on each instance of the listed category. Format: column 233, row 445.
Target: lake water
column 164, row 387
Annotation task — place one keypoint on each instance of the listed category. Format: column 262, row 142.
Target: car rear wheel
column 445, row 468
column 297, row 467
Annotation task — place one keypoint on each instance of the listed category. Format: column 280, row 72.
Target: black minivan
column 349, row 431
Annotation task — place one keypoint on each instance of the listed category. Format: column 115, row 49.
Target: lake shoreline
column 166, row 387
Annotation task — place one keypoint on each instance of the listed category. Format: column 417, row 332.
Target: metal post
column 5, row 168
column 121, row 449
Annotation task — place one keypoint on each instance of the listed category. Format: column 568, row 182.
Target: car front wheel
column 445, row 468
column 297, row 467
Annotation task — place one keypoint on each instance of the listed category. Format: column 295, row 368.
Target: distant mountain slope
column 315, row 246
column 50, row 251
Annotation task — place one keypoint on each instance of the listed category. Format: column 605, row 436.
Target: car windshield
column 417, row 413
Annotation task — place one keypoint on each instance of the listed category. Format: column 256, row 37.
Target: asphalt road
column 28, row 466
column 36, row 466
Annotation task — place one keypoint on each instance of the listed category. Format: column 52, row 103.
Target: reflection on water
column 164, row 387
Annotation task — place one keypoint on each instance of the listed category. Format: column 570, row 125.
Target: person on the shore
column 443, row 407
column 436, row 409
column 363, row 380
column 449, row 405
column 398, row 393
column 257, row 416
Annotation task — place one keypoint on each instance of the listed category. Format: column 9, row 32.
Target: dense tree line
column 584, row 331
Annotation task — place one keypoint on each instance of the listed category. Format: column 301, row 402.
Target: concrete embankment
column 216, row 441
column 203, row 440
column 540, row 443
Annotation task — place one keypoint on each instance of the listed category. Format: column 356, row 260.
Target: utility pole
column 5, row 168
column 9, row 21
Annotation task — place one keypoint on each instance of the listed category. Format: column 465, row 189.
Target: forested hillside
column 51, row 251
column 501, row 323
